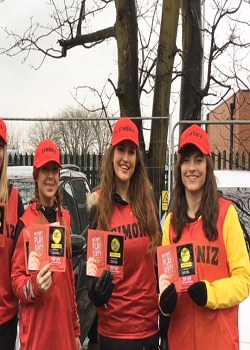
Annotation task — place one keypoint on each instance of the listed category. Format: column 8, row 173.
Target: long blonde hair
column 4, row 188
column 140, row 195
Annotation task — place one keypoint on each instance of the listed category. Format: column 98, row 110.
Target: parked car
column 74, row 188
column 235, row 185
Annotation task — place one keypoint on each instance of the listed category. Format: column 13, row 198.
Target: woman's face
column 124, row 161
column 48, row 182
column 193, row 172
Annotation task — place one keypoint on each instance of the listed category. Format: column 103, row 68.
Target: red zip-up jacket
column 132, row 310
column 48, row 321
column 8, row 301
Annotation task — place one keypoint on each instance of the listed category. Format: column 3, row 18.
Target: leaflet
column 108, row 250
column 3, row 215
column 177, row 261
column 47, row 243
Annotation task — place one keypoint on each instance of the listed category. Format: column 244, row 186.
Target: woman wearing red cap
column 49, row 318
column 128, row 308
column 205, row 316
column 12, row 206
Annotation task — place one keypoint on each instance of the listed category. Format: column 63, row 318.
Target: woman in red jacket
column 127, row 308
column 205, row 316
column 49, row 318
column 8, row 196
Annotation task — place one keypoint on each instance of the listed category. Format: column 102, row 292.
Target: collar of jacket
column 119, row 199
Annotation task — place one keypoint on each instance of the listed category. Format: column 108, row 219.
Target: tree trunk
column 156, row 158
column 126, row 30
column 190, row 100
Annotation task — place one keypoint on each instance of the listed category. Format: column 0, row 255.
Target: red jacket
column 50, row 320
column 223, row 265
column 8, row 302
column 132, row 310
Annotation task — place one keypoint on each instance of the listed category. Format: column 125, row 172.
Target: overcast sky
column 29, row 93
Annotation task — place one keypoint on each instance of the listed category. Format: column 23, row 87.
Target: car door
column 74, row 192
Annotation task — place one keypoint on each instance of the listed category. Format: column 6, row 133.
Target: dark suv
column 74, row 188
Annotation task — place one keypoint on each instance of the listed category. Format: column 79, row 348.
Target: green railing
column 90, row 164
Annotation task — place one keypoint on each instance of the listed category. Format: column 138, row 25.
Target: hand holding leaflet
column 168, row 300
column 44, row 278
column 104, row 286
column 100, row 288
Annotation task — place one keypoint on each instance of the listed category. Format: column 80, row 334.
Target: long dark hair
column 209, row 206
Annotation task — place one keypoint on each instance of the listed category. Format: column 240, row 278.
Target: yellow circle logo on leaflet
column 57, row 236
column 185, row 254
column 115, row 245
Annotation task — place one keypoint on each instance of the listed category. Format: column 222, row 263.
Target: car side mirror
column 79, row 245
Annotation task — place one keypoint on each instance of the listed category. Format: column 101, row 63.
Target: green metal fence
column 90, row 164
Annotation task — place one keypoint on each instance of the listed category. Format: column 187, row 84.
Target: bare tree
column 70, row 28
column 12, row 138
column 160, row 60
column 74, row 130
column 192, row 61
column 41, row 130
column 223, row 58
column 75, row 135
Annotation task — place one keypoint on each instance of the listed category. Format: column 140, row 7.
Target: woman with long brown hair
column 49, row 318
column 204, row 315
column 127, row 308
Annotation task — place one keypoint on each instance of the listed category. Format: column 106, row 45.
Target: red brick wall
column 220, row 134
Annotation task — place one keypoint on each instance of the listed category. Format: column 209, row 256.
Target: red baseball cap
column 195, row 135
column 125, row 129
column 47, row 151
column 3, row 131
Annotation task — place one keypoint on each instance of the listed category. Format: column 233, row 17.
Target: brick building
column 231, row 138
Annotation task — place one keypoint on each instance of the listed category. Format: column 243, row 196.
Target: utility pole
column 232, row 110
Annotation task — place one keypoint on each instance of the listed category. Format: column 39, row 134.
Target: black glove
column 100, row 289
column 104, row 286
column 198, row 293
column 163, row 330
column 168, row 299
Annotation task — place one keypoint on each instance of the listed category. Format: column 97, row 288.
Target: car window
column 26, row 190
column 240, row 196
column 81, row 190
column 70, row 204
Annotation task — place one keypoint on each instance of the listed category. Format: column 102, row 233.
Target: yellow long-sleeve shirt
column 224, row 266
